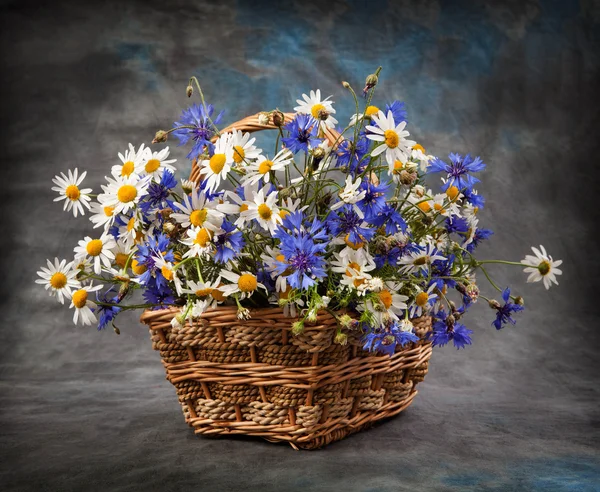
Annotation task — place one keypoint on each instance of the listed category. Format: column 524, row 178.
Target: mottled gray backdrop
column 514, row 82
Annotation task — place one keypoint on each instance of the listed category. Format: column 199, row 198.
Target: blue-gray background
column 514, row 82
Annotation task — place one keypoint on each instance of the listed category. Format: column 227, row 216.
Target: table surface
column 88, row 410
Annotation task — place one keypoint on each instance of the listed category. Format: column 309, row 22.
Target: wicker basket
column 255, row 378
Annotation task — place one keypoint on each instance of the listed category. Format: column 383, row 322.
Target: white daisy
column 188, row 186
column 264, row 210
column 370, row 111
column 243, row 147
column 102, row 216
column 82, row 305
column 263, row 167
column 68, row 188
column 123, row 193
column 393, row 137
column 132, row 162
column 351, row 195
column 207, row 292
column 168, row 271
column 245, row 283
column 132, row 231
column 270, row 258
column 59, row 278
column 443, row 206
column 420, row 260
column 215, row 169
column 157, row 163
column 239, row 205
column 419, row 155
column 541, row 267
column 423, row 302
column 122, row 250
column 354, row 267
column 98, row 250
column 196, row 210
column 320, row 109
column 199, row 240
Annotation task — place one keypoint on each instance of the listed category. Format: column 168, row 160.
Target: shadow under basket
column 253, row 377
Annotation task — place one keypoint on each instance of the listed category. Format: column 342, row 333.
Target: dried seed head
column 263, row 118
column 278, row 118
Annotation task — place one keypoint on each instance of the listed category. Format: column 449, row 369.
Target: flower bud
column 263, row 118
column 494, row 304
column 345, row 321
column 160, row 137
column 407, row 178
column 243, row 313
column 123, row 291
column 340, row 338
column 520, row 301
column 371, row 80
column 311, row 317
column 278, row 118
column 297, row 327
column 345, row 84
column 189, row 91
column 318, row 153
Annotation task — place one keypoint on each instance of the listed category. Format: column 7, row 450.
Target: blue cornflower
column 294, row 222
column 154, row 295
column 456, row 224
column 202, row 130
column 153, row 247
column 106, row 314
column 390, row 256
column 480, row 235
column 348, row 223
column 457, row 171
column 159, row 193
column 229, row 242
column 391, row 219
column 472, row 197
column 443, row 268
column 302, row 263
column 446, row 329
column 398, row 111
column 303, row 133
column 386, row 340
column 374, row 200
column 345, row 150
column 503, row 312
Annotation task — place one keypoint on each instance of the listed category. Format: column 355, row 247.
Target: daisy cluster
column 360, row 221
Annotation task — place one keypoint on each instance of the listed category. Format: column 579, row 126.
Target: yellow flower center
column 265, row 166
column 452, row 192
column 398, row 165
column 283, row 214
column 286, row 293
column 352, row 245
column 386, row 298
column 217, row 163
column 247, row 282
column 217, row 295
column 109, row 211
column 391, row 138
column 371, row 110
column 203, row 237
column 544, row 268
column 421, row 260
column 238, row 154
column 418, row 147
column 354, row 266
column 243, row 207
column 264, row 211
column 167, row 272
column 130, row 224
column 316, row 110
column 358, row 282
column 152, row 165
column 197, row 217
column 422, row 299
column 121, row 259
column 439, row 208
column 79, row 298
column 58, row 280
column 280, row 257
column 126, row 193
column 127, row 169
column 203, row 292
column 137, row 268
column 72, row 192
column 424, row 206
column 94, row 247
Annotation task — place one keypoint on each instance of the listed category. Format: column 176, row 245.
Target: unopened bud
column 123, row 291
column 372, row 80
column 494, row 304
column 340, row 338
column 345, row 321
column 407, row 178
column 278, row 118
column 168, row 227
column 297, row 327
column 160, row 137
column 520, row 301
column 318, row 153
column 189, row 91
column 345, row 84
column 311, row 317
column 263, row 118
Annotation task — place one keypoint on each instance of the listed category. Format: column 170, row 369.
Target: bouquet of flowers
column 359, row 221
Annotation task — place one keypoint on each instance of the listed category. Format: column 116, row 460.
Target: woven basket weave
column 253, row 377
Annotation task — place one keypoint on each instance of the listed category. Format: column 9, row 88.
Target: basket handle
column 250, row 124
